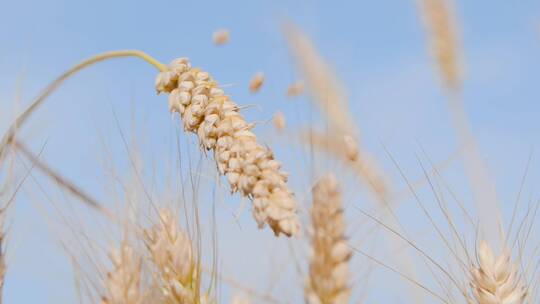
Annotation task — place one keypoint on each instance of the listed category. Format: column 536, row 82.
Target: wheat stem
column 10, row 134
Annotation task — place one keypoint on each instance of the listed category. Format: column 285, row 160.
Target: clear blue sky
column 377, row 49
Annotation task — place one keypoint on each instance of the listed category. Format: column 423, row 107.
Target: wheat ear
column 176, row 265
column 328, row 267
column 123, row 282
column 495, row 280
column 249, row 167
column 442, row 40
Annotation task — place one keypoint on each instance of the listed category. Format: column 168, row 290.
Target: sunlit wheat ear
column 176, row 265
column 250, row 168
column 123, row 282
column 495, row 280
column 328, row 267
column 443, row 40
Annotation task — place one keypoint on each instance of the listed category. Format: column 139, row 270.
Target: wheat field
column 269, row 152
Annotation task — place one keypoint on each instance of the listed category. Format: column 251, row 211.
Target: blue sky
column 377, row 49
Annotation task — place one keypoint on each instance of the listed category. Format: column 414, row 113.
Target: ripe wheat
column 176, row 264
column 123, row 283
column 328, row 268
column 249, row 167
column 495, row 280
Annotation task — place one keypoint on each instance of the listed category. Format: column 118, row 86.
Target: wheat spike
column 320, row 81
column 328, row 267
column 172, row 255
column 442, row 40
column 495, row 280
column 123, row 282
column 249, row 167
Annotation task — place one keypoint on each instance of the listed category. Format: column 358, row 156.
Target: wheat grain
column 495, row 280
column 278, row 120
column 295, row 89
column 328, row 268
column 351, row 148
column 256, row 82
column 249, row 167
column 220, row 37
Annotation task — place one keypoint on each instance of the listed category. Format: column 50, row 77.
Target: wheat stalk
column 495, row 280
column 62, row 181
column 3, row 266
column 249, row 167
column 328, row 268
